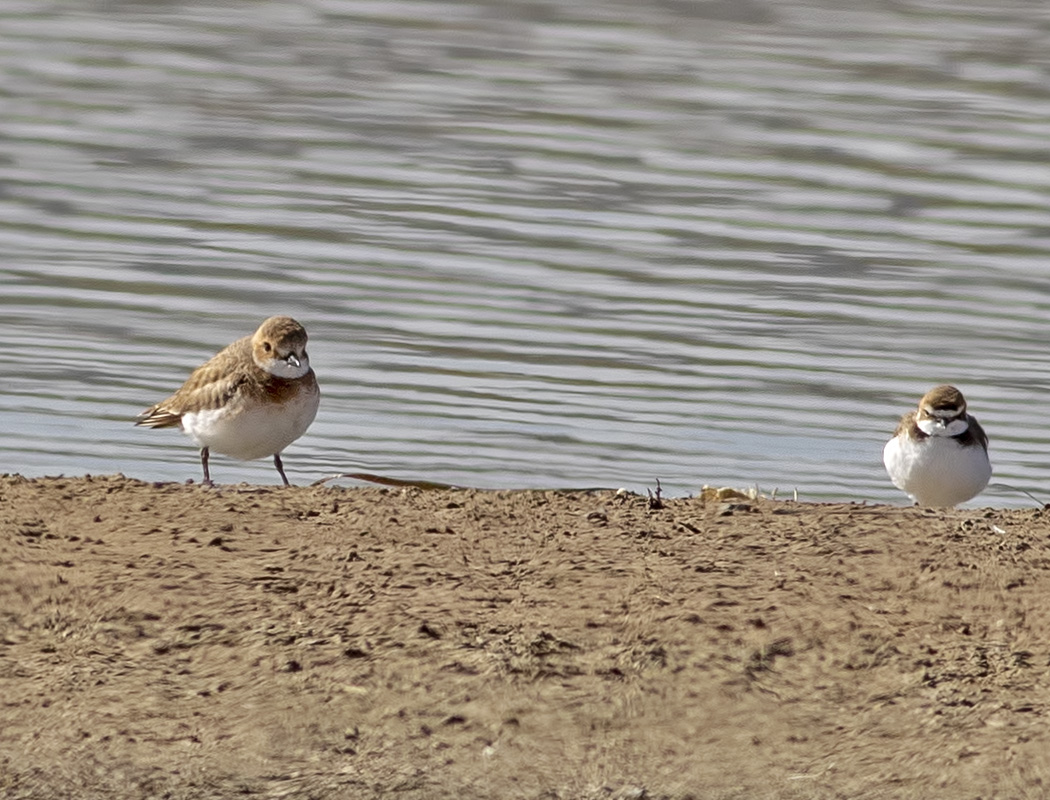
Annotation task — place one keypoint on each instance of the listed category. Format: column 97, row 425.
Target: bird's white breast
column 937, row 471
column 252, row 430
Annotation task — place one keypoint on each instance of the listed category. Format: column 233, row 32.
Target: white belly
column 252, row 431
column 937, row 471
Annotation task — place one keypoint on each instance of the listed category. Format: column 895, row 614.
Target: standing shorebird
column 939, row 453
column 251, row 400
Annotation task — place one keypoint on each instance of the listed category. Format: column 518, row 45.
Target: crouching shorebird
column 251, row 400
column 939, row 454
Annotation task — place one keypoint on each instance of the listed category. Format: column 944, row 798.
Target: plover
column 939, row 453
column 251, row 400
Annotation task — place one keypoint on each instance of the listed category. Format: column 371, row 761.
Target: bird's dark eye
column 267, row 347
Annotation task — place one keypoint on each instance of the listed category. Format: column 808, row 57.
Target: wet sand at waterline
column 166, row 640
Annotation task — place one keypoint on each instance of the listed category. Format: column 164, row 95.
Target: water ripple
column 560, row 244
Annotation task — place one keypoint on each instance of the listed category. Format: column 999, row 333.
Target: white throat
column 932, row 426
column 289, row 369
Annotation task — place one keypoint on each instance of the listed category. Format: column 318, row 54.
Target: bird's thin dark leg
column 204, row 463
column 280, row 468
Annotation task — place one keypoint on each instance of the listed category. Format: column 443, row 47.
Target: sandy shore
column 165, row 640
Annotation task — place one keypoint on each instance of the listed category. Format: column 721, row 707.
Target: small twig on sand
column 1007, row 486
column 654, row 499
column 384, row 481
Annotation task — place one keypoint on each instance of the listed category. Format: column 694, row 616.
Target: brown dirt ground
column 170, row 641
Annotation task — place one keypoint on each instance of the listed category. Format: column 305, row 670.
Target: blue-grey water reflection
column 555, row 244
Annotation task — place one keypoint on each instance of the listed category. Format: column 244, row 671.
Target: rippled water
column 543, row 244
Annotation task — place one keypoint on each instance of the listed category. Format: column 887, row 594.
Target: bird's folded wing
column 209, row 388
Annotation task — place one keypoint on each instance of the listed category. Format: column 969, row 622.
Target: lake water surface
column 542, row 244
